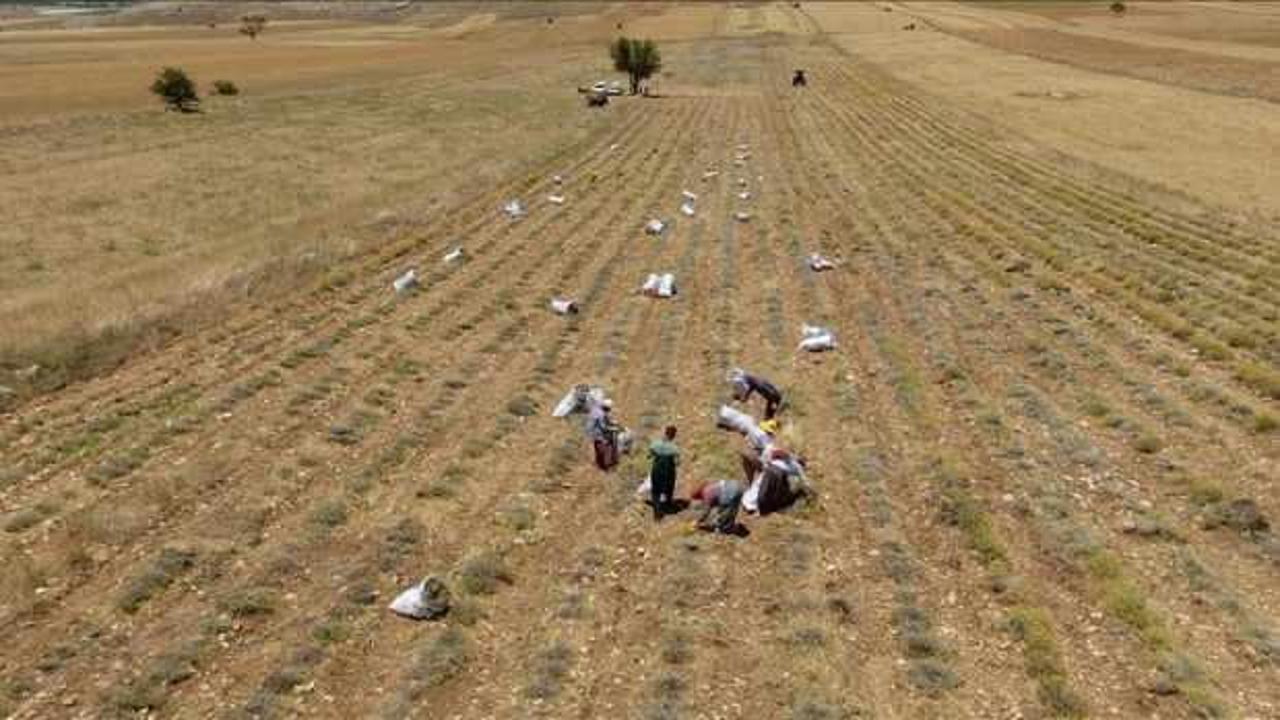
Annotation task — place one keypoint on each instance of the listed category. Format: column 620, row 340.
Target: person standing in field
column 722, row 499
column 662, row 476
column 603, row 432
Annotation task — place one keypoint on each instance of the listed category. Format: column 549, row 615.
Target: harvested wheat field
column 1041, row 458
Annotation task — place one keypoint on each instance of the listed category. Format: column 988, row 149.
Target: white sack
column 555, row 199
column 817, row 339
column 655, row 227
column 687, row 209
column 514, row 209
column 751, row 498
column 744, row 195
column 563, row 306
column 731, row 418
column 688, row 196
column 742, row 216
column 667, row 285
column 453, row 255
column 406, row 282
column 818, row 263
column 427, row 600
column 651, row 284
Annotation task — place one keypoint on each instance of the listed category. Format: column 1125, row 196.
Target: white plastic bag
column 655, row 227
column 659, row 285
column 514, row 209
column 731, row 418
column 453, row 255
column 687, row 209
column 406, row 282
column 427, row 600
column 564, row 306
column 751, row 498
column 744, row 195
column 741, row 216
column 818, row 263
column 667, row 285
column 555, row 199
column 817, row 339
column 688, row 196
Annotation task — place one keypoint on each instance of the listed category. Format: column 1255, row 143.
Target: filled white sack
column 406, row 282
column 817, row 339
column 564, row 306
column 427, row 600
column 514, row 209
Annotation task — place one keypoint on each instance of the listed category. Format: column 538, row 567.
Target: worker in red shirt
column 722, row 499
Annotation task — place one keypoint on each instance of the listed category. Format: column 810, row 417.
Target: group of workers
column 764, row 462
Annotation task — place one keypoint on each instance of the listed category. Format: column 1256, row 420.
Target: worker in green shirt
column 662, row 476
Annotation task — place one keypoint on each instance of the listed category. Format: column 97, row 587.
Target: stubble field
column 1045, row 451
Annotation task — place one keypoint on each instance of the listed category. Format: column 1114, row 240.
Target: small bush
column 519, row 518
column 442, row 659
column 481, row 573
column 249, row 603
column 225, row 87
column 550, row 670
column 176, row 89
column 167, row 567
column 330, row 514
column 932, row 677
column 1148, row 443
column 522, row 406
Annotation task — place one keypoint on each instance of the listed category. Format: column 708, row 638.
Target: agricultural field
column 1044, row 453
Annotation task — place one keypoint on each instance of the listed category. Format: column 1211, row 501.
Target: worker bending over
column 745, row 385
column 722, row 499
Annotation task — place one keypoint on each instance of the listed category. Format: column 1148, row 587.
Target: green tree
column 639, row 59
column 176, row 90
column 1118, row 7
